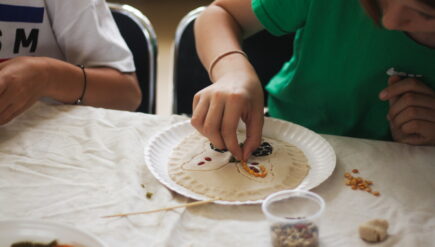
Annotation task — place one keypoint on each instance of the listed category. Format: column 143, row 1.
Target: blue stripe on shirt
column 15, row 13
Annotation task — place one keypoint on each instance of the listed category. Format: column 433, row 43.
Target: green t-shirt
column 332, row 83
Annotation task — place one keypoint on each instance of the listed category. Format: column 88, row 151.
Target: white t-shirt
column 76, row 31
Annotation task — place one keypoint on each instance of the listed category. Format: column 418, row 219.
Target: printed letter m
column 21, row 39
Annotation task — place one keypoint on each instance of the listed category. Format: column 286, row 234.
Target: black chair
column 140, row 37
column 267, row 53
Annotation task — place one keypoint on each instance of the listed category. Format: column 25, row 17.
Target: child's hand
column 412, row 110
column 218, row 108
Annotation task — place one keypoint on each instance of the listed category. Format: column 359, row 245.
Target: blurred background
column 164, row 16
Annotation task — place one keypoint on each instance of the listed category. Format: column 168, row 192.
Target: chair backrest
column 140, row 37
column 266, row 52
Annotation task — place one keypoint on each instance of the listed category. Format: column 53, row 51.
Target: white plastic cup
column 292, row 215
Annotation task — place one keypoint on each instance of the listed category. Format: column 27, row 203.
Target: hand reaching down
column 218, row 108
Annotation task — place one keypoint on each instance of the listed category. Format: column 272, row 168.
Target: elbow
column 129, row 95
column 220, row 11
column 136, row 96
column 136, row 100
column 207, row 16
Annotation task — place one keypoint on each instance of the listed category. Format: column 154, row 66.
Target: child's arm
column 236, row 92
column 24, row 80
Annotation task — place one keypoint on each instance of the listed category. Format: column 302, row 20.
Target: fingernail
column 245, row 159
column 383, row 95
column 238, row 157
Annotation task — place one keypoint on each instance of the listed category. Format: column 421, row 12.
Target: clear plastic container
column 292, row 215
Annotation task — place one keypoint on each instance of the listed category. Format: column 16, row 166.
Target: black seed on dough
column 254, row 169
column 264, row 149
column 217, row 149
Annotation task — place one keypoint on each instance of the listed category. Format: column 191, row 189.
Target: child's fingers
column 254, row 130
column 404, row 86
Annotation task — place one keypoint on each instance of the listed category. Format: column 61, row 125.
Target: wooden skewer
column 185, row 205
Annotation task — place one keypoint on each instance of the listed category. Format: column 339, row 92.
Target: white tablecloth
column 73, row 164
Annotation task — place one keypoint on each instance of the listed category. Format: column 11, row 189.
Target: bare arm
column 231, row 20
column 237, row 93
column 106, row 87
column 24, row 80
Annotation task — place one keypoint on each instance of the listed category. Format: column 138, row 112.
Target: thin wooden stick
column 185, row 205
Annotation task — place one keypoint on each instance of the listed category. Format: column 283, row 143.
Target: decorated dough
column 374, row 230
column 195, row 165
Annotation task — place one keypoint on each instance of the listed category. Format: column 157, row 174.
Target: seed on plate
column 217, row 149
column 254, row 169
column 264, row 149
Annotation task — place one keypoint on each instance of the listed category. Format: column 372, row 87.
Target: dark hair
column 374, row 10
column 429, row 3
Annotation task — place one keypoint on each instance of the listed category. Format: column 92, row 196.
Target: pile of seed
column 359, row 183
column 295, row 235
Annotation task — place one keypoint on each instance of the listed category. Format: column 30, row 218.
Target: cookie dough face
column 201, row 158
column 275, row 166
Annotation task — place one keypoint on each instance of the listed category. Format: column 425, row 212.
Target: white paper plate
column 321, row 156
column 37, row 231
